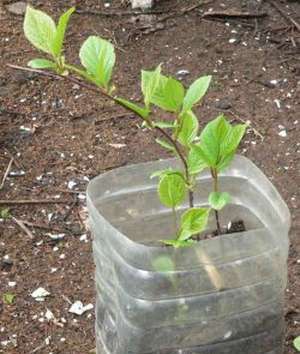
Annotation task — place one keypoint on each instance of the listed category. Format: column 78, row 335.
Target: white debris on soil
column 12, row 284
column 228, row 335
column 182, row 72
column 78, row 309
column 117, row 146
column 71, row 184
column 49, row 315
column 56, row 237
column 277, row 102
column 283, row 133
column 83, row 238
column 40, row 294
column 232, row 40
column 142, row 4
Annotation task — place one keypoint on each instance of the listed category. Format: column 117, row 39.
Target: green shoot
column 213, row 148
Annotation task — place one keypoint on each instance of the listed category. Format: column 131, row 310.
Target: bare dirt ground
column 61, row 136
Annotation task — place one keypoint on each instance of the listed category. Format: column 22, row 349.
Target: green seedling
column 213, row 148
column 9, row 298
column 5, row 214
column 296, row 343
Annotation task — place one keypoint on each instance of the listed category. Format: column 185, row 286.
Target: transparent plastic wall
column 221, row 296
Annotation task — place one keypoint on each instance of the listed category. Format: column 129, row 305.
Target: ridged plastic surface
column 222, row 296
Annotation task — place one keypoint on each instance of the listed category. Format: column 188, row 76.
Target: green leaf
column 218, row 200
column 195, row 92
column 8, row 298
column 168, row 171
column 5, row 214
column 60, row 31
column 165, row 145
column 195, row 161
column 219, row 141
column 41, row 64
column 189, row 128
column 296, row 343
column 178, row 243
column 164, row 124
column 39, row 29
column 212, row 137
column 193, row 221
column 97, row 55
column 168, row 94
column 172, row 190
column 141, row 111
column 163, row 264
column 233, row 139
column 150, row 81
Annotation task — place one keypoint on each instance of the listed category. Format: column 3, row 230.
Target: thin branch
column 284, row 15
column 223, row 14
column 23, row 227
column 104, row 93
column 6, row 173
column 118, row 13
column 32, row 201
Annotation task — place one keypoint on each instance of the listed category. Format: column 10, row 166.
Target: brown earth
column 70, row 132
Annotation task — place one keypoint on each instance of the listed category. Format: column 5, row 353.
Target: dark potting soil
column 233, row 227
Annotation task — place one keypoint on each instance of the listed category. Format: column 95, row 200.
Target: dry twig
column 6, row 173
column 284, row 15
column 223, row 14
column 23, row 227
column 32, row 201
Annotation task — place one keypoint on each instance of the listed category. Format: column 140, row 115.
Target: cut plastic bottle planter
column 222, row 296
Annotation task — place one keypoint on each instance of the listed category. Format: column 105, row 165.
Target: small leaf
column 60, row 31
column 296, row 343
column 141, row 111
column 193, row 221
column 169, row 94
column 195, row 92
column 162, row 173
column 212, row 137
column 172, row 190
column 39, row 29
column 178, row 243
column 165, row 145
column 164, row 124
column 41, row 64
column 150, row 81
column 196, row 163
column 233, row 139
column 97, row 55
column 163, row 264
column 5, row 214
column 189, row 128
column 218, row 200
column 8, row 298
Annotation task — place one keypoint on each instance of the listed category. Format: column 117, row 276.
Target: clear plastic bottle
column 223, row 295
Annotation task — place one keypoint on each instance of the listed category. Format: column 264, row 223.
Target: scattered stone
column 71, row 184
column 223, row 104
column 78, row 309
column 283, row 133
column 182, row 72
column 142, row 4
column 40, row 294
column 17, row 8
column 56, row 237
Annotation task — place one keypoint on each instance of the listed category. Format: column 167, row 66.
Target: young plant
column 219, row 141
column 179, row 134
